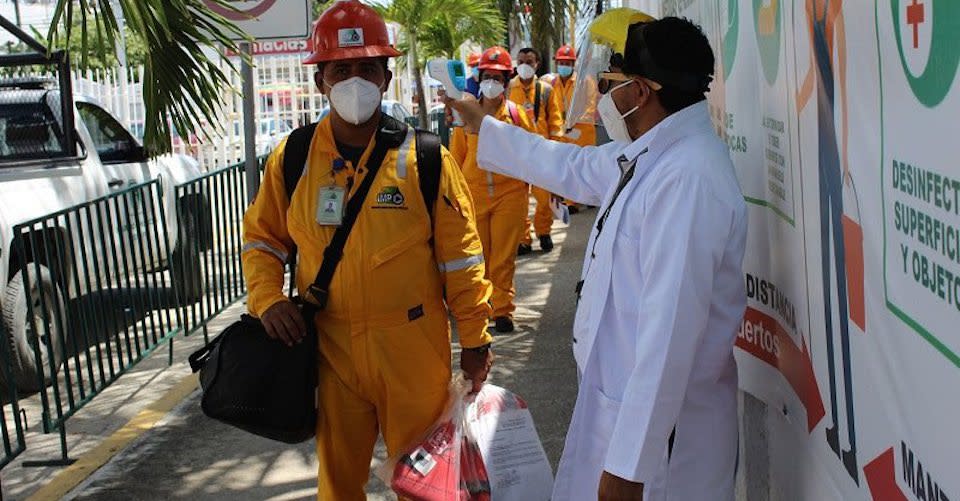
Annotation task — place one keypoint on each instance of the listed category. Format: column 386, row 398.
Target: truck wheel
column 23, row 339
column 187, row 272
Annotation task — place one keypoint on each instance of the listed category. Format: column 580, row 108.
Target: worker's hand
column 476, row 365
column 284, row 322
column 614, row 488
column 471, row 112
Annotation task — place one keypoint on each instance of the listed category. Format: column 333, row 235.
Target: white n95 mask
column 491, row 89
column 526, row 71
column 355, row 99
column 611, row 117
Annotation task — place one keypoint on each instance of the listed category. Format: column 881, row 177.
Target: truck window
column 29, row 131
column 113, row 143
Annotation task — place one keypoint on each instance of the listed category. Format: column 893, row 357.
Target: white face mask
column 526, row 71
column 611, row 117
column 491, row 89
column 355, row 99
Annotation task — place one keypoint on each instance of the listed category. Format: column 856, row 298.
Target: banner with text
column 840, row 118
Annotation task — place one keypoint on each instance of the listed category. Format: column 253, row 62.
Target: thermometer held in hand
column 452, row 75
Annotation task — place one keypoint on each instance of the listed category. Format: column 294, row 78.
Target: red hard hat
column 496, row 58
column 473, row 60
column 565, row 53
column 348, row 30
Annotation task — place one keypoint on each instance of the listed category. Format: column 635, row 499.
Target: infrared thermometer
column 452, row 75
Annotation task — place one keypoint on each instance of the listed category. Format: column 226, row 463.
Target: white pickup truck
column 38, row 178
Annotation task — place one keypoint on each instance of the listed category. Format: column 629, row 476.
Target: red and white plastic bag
column 484, row 447
column 500, row 423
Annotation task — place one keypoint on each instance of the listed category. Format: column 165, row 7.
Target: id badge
column 330, row 205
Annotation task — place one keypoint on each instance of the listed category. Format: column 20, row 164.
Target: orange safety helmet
column 565, row 53
column 496, row 58
column 473, row 60
column 349, row 29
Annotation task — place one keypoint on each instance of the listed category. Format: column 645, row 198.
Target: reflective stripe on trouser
column 500, row 224
column 389, row 378
column 542, row 215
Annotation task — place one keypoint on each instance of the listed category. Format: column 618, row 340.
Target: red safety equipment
column 473, row 60
column 565, row 53
column 496, row 58
column 347, row 30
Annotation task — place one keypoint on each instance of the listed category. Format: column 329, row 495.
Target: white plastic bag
column 501, row 425
column 444, row 465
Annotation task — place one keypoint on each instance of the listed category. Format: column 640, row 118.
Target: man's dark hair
column 681, row 55
column 530, row 50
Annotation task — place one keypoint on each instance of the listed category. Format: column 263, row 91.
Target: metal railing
column 11, row 426
column 211, row 212
column 100, row 295
column 98, row 287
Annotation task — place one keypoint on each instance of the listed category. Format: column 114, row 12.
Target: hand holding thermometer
column 452, row 74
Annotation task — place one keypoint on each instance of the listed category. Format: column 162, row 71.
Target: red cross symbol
column 915, row 17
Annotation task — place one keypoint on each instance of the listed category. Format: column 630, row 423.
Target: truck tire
column 187, row 273
column 22, row 338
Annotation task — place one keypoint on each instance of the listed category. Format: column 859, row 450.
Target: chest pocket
column 421, row 236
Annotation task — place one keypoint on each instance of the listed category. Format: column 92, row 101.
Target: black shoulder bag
column 260, row 385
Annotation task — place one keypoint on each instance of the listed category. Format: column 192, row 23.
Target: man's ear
column 318, row 79
column 388, row 77
column 645, row 95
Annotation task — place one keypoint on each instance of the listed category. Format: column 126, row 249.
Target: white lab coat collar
column 665, row 133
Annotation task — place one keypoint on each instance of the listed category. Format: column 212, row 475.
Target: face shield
column 603, row 36
column 592, row 59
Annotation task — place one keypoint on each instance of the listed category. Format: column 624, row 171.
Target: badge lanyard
column 627, row 169
column 331, row 199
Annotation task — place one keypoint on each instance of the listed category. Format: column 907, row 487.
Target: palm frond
column 182, row 80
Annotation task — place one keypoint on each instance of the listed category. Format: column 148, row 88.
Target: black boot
column 524, row 249
column 546, row 243
column 503, row 324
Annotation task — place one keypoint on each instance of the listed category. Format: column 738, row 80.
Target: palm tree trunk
column 418, row 78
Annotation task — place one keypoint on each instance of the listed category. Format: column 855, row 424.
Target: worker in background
column 662, row 295
column 473, row 79
column 543, row 105
column 501, row 202
column 384, row 335
column 584, row 131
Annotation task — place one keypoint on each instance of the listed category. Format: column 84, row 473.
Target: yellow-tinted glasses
column 606, row 80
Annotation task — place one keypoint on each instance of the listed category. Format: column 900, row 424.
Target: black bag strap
column 390, row 134
column 294, row 162
column 429, row 165
column 536, row 102
column 295, row 156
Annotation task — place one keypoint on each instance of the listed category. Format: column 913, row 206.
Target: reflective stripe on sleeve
column 460, row 264
column 281, row 255
column 404, row 153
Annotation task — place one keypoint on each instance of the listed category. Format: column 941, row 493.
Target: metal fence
column 212, row 208
column 98, row 287
column 11, row 426
column 99, row 294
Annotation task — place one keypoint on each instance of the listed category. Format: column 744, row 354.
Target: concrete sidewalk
column 184, row 455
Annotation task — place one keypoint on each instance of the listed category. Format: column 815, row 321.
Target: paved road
column 188, row 456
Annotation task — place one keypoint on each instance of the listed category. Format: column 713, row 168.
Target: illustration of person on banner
column 839, row 215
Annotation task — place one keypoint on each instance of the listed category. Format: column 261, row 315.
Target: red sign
column 279, row 47
column 764, row 338
column 881, row 476
column 241, row 14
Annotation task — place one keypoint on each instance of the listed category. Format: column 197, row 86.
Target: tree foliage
column 437, row 28
column 182, row 78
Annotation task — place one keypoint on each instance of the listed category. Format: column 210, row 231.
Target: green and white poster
column 842, row 119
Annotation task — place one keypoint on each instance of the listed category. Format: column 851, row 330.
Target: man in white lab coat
column 662, row 291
